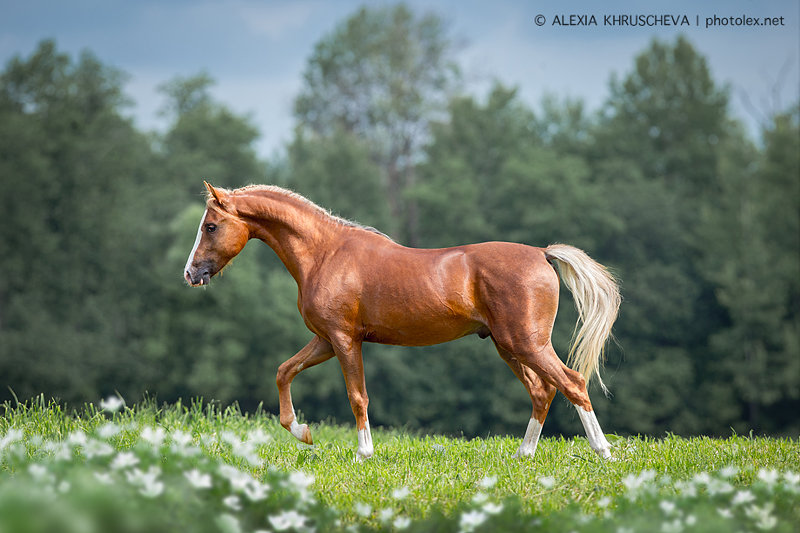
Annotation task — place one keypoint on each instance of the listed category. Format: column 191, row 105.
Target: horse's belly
column 421, row 331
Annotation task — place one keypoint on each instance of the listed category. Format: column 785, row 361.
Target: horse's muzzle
column 197, row 276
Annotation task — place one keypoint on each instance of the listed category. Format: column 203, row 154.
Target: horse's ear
column 221, row 196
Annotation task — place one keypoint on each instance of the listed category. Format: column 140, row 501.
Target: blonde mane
column 305, row 201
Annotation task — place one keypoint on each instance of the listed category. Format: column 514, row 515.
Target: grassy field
column 199, row 468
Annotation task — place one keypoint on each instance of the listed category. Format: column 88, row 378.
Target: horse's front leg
column 349, row 353
column 315, row 352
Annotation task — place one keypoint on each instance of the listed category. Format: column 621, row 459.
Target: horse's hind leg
column 541, row 393
column 315, row 352
column 549, row 367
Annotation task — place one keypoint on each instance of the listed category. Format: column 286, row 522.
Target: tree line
column 700, row 222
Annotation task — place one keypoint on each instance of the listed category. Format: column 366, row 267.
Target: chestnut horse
column 356, row 284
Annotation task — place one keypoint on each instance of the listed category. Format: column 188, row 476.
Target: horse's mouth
column 204, row 278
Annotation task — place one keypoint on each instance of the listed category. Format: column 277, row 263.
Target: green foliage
column 198, row 467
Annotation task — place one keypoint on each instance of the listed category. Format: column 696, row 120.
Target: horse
column 357, row 285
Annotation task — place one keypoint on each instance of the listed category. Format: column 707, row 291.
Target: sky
column 257, row 50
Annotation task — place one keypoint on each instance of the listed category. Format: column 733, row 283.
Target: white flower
column 64, row 486
column 488, row 482
column 762, row 516
column 233, row 502
column 76, row 438
column 386, row 514
column 725, row 513
column 743, row 496
column 667, row 506
column 703, row 478
column 717, row 486
column 12, row 436
column 181, row 438
column 470, row 520
column 198, row 479
column 547, row 482
column 124, row 460
column 792, row 478
column 238, row 479
column 104, row 478
column 152, row 489
column 287, row 520
column 603, row 502
column 106, row 431
column 401, row 522
column 98, row 448
column 770, row 477
column 401, row 493
column 112, row 404
column 492, row 508
column 301, row 480
column 691, row 520
column 154, row 436
column 480, row 497
column 258, row 436
column 38, row 472
column 729, row 471
column 363, row 509
column 256, row 491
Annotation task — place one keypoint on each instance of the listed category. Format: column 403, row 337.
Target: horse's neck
column 295, row 231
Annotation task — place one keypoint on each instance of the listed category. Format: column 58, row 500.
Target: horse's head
column 221, row 235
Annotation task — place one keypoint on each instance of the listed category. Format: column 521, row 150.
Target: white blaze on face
column 196, row 242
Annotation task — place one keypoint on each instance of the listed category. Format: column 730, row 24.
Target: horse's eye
column 211, row 228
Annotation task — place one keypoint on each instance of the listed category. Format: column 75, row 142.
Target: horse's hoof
column 302, row 433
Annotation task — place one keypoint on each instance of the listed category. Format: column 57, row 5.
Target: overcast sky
column 257, row 50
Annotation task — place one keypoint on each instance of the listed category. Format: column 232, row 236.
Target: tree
column 382, row 75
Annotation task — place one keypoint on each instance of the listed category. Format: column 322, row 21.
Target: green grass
column 91, row 467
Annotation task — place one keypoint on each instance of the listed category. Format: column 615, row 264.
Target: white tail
column 597, row 298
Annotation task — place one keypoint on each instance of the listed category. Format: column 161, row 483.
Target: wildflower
column 112, row 404
column 124, row 460
column 702, row 478
column 11, row 437
column 154, row 436
column 181, row 439
column 363, row 509
column 233, row 502
column 38, row 472
column 728, row 471
column 77, row 438
column 97, row 448
column 287, row 520
column 300, row 480
column 770, row 477
column 401, row 493
column 198, row 479
column 64, row 486
column 762, row 516
column 792, row 478
column 743, row 496
column 691, row 520
column 401, row 522
column 547, row 482
column 152, row 489
column 667, row 506
column 386, row 514
column 717, row 486
column 258, row 436
column 256, row 491
column 106, row 431
column 104, row 478
column 238, row 479
column 470, row 520
column 492, row 508
column 488, row 482
column 725, row 513
column 603, row 502
column 480, row 497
